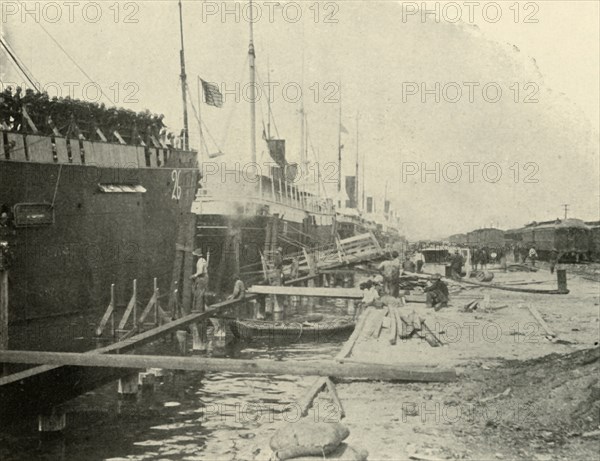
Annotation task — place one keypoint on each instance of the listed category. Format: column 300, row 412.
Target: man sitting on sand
column 436, row 293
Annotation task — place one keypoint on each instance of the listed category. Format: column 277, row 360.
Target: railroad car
column 570, row 237
column 489, row 237
column 594, row 240
column 458, row 239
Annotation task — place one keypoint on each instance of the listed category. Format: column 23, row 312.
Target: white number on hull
column 176, row 195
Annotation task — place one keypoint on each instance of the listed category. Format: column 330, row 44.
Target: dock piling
column 3, row 312
column 561, row 278
column 128, row 385
column 53, row 421
column 182, row 342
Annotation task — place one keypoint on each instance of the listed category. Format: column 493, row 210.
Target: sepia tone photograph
column 353, row 230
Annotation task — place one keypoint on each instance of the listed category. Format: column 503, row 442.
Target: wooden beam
column 541, row 321
column 348, row 293
column 301, row 279
column 267, row 367
column 307, row 399
column 137, row 340
column 348, row 345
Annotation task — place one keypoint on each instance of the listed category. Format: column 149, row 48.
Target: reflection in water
column 189, row 415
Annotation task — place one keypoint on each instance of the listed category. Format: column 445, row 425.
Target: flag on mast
column 212, row 95
column 343, row 128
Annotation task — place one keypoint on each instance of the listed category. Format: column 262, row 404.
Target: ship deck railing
column 35, row 148
column 265, row 191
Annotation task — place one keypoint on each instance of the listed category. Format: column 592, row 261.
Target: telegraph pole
column 566, row 206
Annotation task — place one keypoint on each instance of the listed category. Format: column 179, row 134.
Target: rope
column 231, row 112
column 71, row 59
column 17, row 62
column 56, row 186
column 269, row 106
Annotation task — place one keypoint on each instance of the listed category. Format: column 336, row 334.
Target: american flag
column 212, row 95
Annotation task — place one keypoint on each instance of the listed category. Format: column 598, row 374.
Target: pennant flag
column 212, row 95
column 343, row 129
column 277, row 151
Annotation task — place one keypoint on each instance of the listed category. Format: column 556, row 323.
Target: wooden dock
column 42, row 387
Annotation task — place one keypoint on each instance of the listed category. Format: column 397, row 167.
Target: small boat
column 321, row 331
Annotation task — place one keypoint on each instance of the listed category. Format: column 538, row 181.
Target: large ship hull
column 236, row 222
column 96, row 233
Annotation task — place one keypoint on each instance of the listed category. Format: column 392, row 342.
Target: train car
column 570, row 237
column 489, row 237
column 458, row 239
column 594, row 240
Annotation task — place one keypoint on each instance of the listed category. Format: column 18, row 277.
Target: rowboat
column 333, row 329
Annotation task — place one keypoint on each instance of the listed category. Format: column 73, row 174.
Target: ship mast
column 251, row 61
column 186, row 141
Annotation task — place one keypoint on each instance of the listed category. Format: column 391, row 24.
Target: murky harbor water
column 189, row 415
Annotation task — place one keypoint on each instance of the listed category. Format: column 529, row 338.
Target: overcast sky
column 504, row 159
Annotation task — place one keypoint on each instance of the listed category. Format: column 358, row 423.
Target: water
column 191, row 415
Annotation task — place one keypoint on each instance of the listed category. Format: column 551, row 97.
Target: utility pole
column 566, row 206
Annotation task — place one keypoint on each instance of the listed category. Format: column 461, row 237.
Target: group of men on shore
column 436, row 291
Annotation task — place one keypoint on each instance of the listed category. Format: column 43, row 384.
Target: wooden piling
column 561, row 278
column 128, row 385
column 3, row 309
column 182, row 341
column 53, row 421
column 3, row 315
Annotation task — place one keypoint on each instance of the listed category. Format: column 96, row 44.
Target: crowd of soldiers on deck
column 72, row 117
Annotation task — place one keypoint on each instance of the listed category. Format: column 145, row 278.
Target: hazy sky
column 504, row 158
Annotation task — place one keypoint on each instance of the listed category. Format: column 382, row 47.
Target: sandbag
column 307, row 438
column 343, row 453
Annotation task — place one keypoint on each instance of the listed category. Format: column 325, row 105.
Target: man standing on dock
column 437, row 295
column 200, row 279
column 456, row 265
column 533, row 255
column 390, row 271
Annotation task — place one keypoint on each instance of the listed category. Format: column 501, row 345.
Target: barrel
column 485, row 276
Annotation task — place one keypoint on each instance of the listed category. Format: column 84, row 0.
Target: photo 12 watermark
column 471, row 12
column 469, row 172
column 289, row 12
column 69, row 12
column 471, row 92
